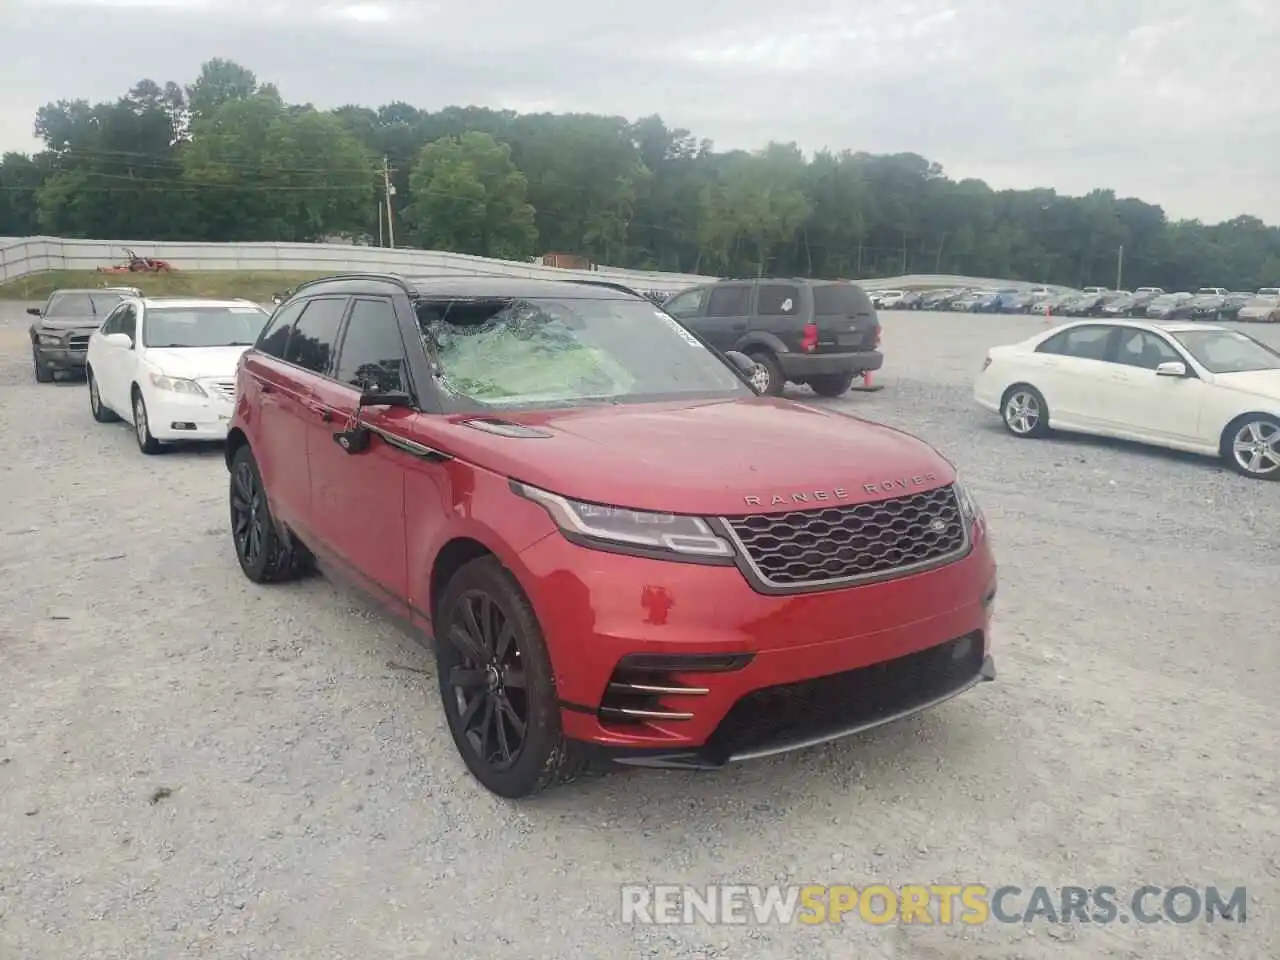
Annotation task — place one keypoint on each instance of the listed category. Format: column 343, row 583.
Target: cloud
column 1169, row 100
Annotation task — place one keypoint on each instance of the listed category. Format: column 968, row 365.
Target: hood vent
column 505, row 428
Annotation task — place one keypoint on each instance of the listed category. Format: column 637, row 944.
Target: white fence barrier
column 22, row 256
column 29, row 255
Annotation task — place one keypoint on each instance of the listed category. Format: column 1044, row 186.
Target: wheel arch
column 465, row 544
column 1239, row 419
column 760, row 339
column 236, row 438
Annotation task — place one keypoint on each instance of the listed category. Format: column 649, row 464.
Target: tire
column 1251, row 446
column 264, row 553
column 142, row 426
column 44, row 373
column 100, row 413
column 1024, row 412
column 487, row 636
column 832, row 384
column 776, row 380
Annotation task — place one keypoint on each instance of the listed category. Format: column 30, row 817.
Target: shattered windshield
column 539, row 352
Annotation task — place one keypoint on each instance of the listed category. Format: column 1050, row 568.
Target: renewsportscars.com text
column 966, row 904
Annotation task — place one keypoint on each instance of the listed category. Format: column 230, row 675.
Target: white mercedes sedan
column 168, row 366
column 1189, row 386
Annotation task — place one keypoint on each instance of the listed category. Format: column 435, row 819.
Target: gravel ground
column 192, row 766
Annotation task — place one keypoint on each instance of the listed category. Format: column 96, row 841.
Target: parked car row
column 504, row 463
column 1209, row 303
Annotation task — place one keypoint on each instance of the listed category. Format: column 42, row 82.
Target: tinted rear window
column 838, row 299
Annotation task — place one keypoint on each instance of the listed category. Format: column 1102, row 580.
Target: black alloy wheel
column 265, row 555
column 497, row 685
column 488, row 680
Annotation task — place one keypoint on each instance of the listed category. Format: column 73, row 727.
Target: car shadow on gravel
column 1081, row 444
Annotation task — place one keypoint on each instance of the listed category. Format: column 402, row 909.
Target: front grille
column 792, row 714
column 854, row 542
column 226, row 389
column 79, row 341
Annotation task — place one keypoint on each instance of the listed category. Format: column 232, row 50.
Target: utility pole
column 388, row 191
column 1120, row 267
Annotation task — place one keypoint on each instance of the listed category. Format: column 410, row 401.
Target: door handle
column 323, row 412
column 268, row 388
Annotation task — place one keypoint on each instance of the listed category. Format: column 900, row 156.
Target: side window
column 373, row 356
column 1138, row 348
column 112, row 323
column 315, row 334
column 687, row 304
column 129, row 322
column 275, row 336
column 777, row 299
column 731, row 300
column 1087, row 343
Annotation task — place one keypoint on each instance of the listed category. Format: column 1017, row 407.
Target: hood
column 707, row 457
column 196, row 363
column 1261, row 383
column 88, row 322
column 1257, row 311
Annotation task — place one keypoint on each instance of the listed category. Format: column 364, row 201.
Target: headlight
column 177, row 385
column 615, row 528
column 969, row 508
column 49, row 339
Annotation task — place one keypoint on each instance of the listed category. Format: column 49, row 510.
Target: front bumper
column 686, row 665
column 61, row 357
column 799, row 366
column 174, row 416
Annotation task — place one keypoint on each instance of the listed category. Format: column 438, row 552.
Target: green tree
column 468, row 196
column 259, row 171
column 20, row 182
column 220, row 82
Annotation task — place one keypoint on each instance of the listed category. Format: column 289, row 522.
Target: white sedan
column 1196, row 387
column 168, row 366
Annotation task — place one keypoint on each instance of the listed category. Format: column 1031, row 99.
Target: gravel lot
column 191, row 766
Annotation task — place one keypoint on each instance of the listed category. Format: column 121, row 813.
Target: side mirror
column 119, row 340
column 740, row 360
column 34, row 311
column 1172, row 368
column 388, row 399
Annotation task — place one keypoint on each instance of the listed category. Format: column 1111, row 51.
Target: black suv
column 821, row 332
column 60, row 337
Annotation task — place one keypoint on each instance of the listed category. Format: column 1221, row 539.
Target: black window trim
column 427, row 397
column 337, row 336
column 271, row 322
column 345, row 326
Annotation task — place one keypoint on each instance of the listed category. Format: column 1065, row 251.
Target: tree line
column 227, row 159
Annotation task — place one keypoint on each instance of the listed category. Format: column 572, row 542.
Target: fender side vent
column 505, row 428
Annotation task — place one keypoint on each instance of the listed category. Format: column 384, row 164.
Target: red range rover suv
column 622, row 552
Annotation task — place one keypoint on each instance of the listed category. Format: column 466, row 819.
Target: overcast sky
column 1173, row 101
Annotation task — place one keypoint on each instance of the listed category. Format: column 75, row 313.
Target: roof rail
column 608, row 285
column 387, row 277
